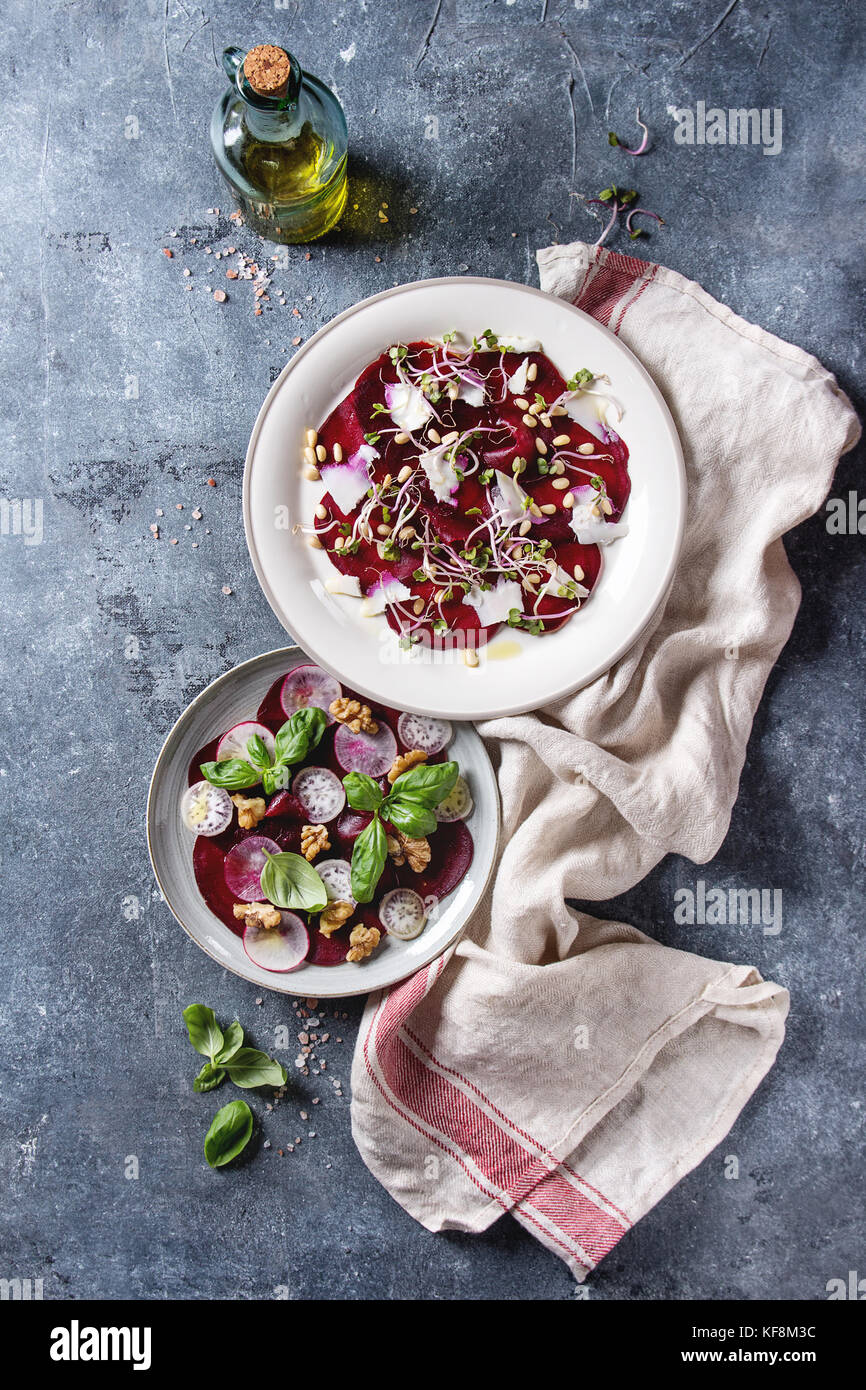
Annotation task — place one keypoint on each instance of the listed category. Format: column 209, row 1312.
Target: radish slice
column 309, row 685
column 234, row 743
column 336, row 874
column 420, row 731
column 320, row 792
column 370, row 753
column 206, row 810
column 279, row 948
column 243, row 866
column 458, row 804
column 402, row 913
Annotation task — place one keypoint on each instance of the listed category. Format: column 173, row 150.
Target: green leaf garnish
column 290, row 882
column 229, row 1134
column 231, row 773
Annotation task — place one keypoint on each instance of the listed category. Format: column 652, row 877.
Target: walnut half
column 357, row 717
column 251, row 809
column 257, row 914
column 404, row 761
column 314, row 839
column 362, row 942
column 334, row 915
column 403, row 849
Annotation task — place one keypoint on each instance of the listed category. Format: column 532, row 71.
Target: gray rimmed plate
column 236, row 696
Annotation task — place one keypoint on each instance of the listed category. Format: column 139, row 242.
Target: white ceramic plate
column 235, row 696
column 517, row 671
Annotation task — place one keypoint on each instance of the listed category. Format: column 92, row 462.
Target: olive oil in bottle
column 279, row 140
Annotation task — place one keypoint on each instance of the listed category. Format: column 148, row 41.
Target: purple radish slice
column 402, row 913
column 234, row 743
column 336, row 874
column 206, row 810
column 243, row 866
column 370, row 753
column 458, row 804
column 320, row 793
column 279, row 948
column 309, row 685
column 420, row 731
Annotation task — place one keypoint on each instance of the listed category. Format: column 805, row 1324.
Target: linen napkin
column 571, row 1070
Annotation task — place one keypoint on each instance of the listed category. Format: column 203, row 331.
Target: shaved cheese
column 561, row 580
column 590, row 530
column 344, row 584
column 494, row 605
column 588, row 411
column 349, row 482
column 517, row 344
column 387, row 590
column 407, row 406
column 471, row 392
column 509, row 497
column 441, row 475
column 517, row 380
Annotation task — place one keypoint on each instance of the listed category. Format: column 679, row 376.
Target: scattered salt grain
column 226, row 590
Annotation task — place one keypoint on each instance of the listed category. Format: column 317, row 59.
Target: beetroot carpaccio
column 468, row 487
column 272, row 824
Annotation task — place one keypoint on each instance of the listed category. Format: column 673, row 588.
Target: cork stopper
column 267, row 69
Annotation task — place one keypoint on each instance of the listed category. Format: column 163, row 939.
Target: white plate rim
column 295, row 979
column 662, row 585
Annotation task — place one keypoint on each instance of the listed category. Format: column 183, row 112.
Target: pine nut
column 418, row 607
column 407, row 534
column 314, row 542
column 568, row 500
column 321, row 453
column 578, row 573
column 321, row 513
column 405, row 474
column 470, row 656
column 525, row 527
column 529, row 421
column 439, row 596
column 558, row 410
column 521, row 402
column 453, row 392
column 560, row 441
column 533, row 580
column 309, row 455
column 312, row 473
column 339, row 542
column 586, row 448
column 557, row 468
column 532, row 371
column 312, row 438
column 386, row 481
column 535, row 509
column 401, row 437
column 607, row 506
column 540, row 446
column 560, row 484
column 338, row 453
column 451, row 438
column 383, row 530
column 434, row 436
column 548, row 508
column 537, row 408
column 545, row 420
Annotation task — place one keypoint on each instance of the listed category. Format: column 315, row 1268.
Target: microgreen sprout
column 614, row 139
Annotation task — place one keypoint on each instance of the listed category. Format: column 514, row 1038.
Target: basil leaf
column 427, row 782
column 275, row 779
column 362, row 793
column 233, row 773
column 410, row 816
column 257, row 752
column 229, row 1134
column 368, row 860
column 209, row 1078
column 234, row 1036
column 205, row 1033
column 250, row 1067
column 288, row 881
column 300, row 734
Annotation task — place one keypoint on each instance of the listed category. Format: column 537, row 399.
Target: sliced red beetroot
column 285, row 804
column 369, row 753
column 309, row 685
column 279, row 948
column 452, row 855
column 243, row 866
column 320, row 792
column 351, row 823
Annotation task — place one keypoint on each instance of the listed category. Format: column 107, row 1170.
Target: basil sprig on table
column 290, row 882
column 245, row 1066
column 409, row 806
column 297, row 737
